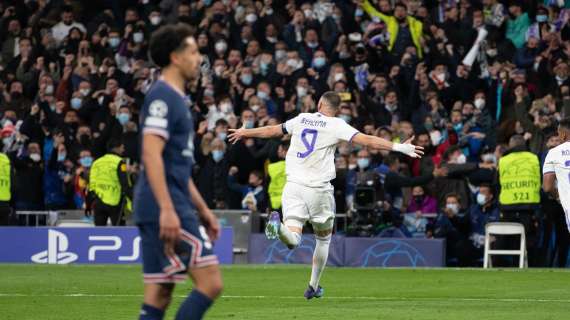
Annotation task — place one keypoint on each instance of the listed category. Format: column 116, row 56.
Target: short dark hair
column 114, row 143
column 451, row 150
column 564, row 123
column 400, row 4
column 221, row 122
column 258, row 174
column 166, row 40
column 453, row 195
column 391, row 159
column 332, row 99
column 489, row 186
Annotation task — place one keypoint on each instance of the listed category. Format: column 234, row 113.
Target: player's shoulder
column 561, row 150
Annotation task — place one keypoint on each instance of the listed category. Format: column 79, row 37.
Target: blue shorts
column 193, row 251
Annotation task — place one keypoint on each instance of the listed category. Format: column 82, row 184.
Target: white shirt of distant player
column 558, row 161
column 310, row 159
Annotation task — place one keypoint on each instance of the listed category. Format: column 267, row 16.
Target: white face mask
column 280, row 55
column 226, row 107
column 84, row 92
column 138, row 37
column 218, row 70
column 489, row 157
column 35, row 157
column 251, row 17
column 441, row 77
column 301, row 91
column 461, row 159
column 49, row 89
column 453, row 207
column 221, row 46
column 479, row 103
column 481, row 199
column 155, row 20
column 338, row 77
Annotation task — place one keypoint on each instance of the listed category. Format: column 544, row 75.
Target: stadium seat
column 505, row 228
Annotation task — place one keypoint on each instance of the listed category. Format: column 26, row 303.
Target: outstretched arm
column 374, row 142
column 263, row 132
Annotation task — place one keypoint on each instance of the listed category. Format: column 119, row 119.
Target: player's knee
column 323, row 236
column 159, row 296
column 211, row 286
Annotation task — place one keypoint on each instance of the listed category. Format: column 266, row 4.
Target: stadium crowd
column 471, row 81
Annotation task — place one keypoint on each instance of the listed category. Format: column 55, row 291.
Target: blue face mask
column 262, row 95
column 76, row 103
column 248, row 124
column 481, row 199
column 363, row 163
column 61, row 157
column 114, row 42
column 246, row 79
column 319, row 62
column 541, row 18
column 86, row 162
column 222, row 136
column 123, row 118
column 458, row 127
column 345, row 117
column 217, row 155
column 264, row 67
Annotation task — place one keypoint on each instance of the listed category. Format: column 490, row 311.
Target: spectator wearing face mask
column 452, row 224
column 243, row 156
column 28, row 179
column 254, row 195
column 213, row 176
column 395, row 181
column 484, row 211
column 421, row 202
column 81, row 178
column 61, row 30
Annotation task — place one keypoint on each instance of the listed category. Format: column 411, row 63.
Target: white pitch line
column 426, row 299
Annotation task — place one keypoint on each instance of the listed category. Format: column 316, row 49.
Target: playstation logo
column 56, row 252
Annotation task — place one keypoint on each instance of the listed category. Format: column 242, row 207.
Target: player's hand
column 236, row 135
column 212, row 225
column 169, row 230
column 409, row 149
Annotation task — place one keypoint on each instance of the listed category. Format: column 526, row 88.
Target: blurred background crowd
column 73, row 75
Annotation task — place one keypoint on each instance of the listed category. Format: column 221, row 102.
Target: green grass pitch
column 276, row 292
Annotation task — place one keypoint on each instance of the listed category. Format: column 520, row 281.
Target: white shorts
column 302, row 204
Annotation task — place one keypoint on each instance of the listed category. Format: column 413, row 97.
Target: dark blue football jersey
column 166, row 113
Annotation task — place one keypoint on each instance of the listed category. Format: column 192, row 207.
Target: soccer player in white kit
column 308, row 193
column 557, row 168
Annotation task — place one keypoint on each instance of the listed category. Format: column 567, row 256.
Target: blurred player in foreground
column 308, row 194
column 557, row 168
column 168, row 207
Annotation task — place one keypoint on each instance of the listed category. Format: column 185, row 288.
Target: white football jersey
column 314, row 137
column 558, row 161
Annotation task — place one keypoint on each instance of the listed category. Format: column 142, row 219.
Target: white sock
column 288, row 237
column 319, row 259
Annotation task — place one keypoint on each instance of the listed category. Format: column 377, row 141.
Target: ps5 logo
column 56, row 252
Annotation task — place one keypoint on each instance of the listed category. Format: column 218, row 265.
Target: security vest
column 104, row 179
column 5, row 178
column 276, row 172
column 519, row 176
